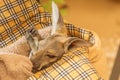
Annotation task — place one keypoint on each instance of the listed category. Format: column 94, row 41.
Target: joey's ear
column 58, row 26
column 74, row 42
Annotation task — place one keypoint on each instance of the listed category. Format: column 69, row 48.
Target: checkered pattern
column 74, row 65
column 81, row 33
column 17, row 16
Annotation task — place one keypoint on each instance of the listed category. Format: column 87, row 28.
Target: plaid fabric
column 74, row 65
column 17, row 16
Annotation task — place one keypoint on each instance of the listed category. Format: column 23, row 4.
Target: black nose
column 35, row 67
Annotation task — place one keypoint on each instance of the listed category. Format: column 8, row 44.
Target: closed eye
column 51, row 53
column 50, row 56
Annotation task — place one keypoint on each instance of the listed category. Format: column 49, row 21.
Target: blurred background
column 101, row 16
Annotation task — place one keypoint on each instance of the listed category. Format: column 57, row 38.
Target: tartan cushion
column 17, row 16
column 74, row 65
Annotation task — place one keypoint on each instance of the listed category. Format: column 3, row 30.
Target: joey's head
column 52, row 48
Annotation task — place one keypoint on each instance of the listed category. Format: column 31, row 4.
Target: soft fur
column 47, row 51
column 21, row 47
column 14, row 63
